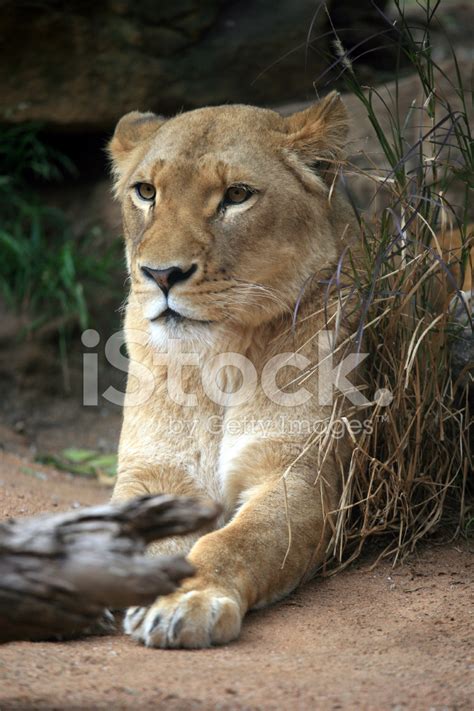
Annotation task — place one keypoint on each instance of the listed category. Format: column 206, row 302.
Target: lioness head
column 226, row 210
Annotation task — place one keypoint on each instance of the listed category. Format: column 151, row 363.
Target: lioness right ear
column 131, row 130
column 317, row 135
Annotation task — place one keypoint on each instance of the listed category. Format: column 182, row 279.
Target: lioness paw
column 198, row 618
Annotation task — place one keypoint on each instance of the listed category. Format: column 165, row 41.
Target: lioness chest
column 200, row 439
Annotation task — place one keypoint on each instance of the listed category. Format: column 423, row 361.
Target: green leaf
column 83, row 462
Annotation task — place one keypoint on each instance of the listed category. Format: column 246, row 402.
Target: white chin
column 162, row 331
column 159, row 334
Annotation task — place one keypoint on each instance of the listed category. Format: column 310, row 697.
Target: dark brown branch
column 59, row 573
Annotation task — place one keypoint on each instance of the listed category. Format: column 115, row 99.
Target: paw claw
column 133, row 619
column 177, row 627
column 155, row 623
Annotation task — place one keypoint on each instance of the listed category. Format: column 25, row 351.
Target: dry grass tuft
column 412, row 467
column 411, row 464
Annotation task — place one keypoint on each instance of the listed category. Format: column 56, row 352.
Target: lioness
column 232, row 224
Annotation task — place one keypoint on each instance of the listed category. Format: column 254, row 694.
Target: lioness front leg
column 133, row 482
column 141, row 481
column 240, row 566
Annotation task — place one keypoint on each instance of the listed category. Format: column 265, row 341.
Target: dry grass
column 411, row 469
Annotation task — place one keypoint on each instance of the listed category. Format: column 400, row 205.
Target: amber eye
column 237, row 194
column 145, row 191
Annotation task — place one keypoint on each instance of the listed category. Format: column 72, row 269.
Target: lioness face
column 218, row 226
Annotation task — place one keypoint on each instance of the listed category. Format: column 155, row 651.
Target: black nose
column 166, row 278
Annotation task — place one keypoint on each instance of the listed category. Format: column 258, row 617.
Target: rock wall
column 79, row 65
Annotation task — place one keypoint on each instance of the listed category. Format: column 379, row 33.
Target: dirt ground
column 365, row 639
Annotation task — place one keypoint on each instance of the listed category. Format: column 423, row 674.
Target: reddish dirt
column 365, row 639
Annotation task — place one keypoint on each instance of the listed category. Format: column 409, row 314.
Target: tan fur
column 254, row 263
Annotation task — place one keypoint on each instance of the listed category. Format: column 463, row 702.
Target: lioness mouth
column 169, row 315
column 172, row 316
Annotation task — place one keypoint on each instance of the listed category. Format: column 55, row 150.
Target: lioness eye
column 145, row 191
column 236, row 194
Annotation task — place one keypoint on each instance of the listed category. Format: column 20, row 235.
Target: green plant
column 43, row 269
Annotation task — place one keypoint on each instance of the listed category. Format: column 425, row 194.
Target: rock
column 81, row 65
column 462, row 342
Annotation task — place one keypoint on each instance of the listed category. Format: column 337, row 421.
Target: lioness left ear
column 132, row 130
column 318, row 134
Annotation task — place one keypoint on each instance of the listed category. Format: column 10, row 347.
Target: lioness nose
column 166, row 278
